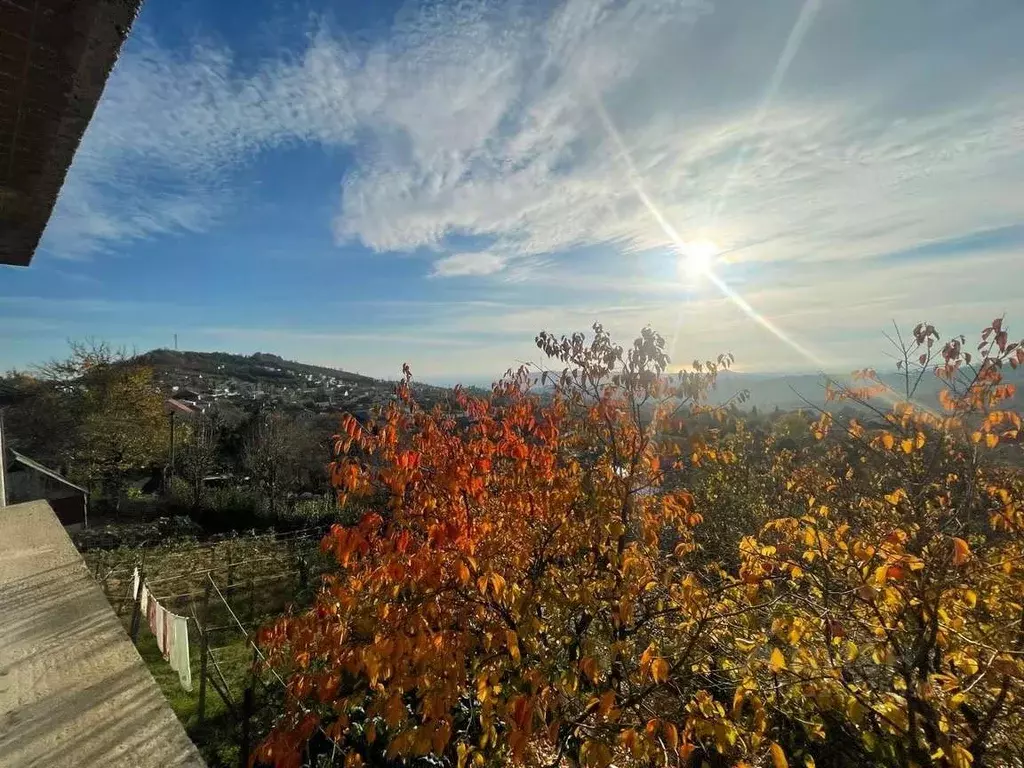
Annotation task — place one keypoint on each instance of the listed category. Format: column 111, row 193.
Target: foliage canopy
column 619, row 573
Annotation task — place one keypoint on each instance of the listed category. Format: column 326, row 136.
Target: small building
column 28, row 480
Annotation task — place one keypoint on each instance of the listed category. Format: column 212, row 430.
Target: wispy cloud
column 879, row 134
column 481, row 120
column 462, row 264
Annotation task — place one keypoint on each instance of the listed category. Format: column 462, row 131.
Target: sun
column 697, row 258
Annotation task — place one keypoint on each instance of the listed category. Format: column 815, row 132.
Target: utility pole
column 172, row 442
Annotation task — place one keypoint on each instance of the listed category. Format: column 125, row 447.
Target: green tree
column 119, row 424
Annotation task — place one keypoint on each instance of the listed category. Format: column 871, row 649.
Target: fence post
column 137, row 608
column 251, row 629
column 204, row 653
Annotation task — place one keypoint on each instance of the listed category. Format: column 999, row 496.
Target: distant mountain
column 259, row 368
column 797, row 390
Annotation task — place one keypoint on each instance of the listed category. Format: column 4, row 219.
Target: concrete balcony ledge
column 73, row 689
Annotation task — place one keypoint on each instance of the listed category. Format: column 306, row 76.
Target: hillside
column 261, row 368
column 203, row 378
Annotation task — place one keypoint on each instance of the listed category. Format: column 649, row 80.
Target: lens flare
column 696, row 259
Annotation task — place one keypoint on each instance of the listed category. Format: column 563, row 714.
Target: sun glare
column 696, row 259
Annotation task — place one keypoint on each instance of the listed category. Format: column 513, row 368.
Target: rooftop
column 73, row 689
column 55, row 56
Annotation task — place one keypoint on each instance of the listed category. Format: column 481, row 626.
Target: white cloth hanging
column 179, row 656
column 162, row 632
column 170, row 630
column 135, row 584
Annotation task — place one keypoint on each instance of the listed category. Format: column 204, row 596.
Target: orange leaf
column 778, row 756
column 588, row 666
column 659, row 670
column 671, row 735
column 894, row 572
column 961, row 551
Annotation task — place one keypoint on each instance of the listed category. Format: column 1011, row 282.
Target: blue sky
column 362, row 185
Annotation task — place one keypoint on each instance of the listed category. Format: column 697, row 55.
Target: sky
column 365, row 184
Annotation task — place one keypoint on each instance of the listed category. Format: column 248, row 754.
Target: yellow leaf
column 919, row 440
column 777, row 662
column 971, row 597
column 907, row 445
column 888, row 441
column 497, row 584
column 881, row 575
column 896, row 496
column 961, row 757
column 991, row 440
column 976, row 437
column 512, row 640
column 961, row 551
column 659, row 670
column 778, row 756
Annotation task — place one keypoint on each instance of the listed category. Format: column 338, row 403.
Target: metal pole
column 204, row 654
column 137, row 608
column 247, row 710
column 172, row 443
column 3, row 468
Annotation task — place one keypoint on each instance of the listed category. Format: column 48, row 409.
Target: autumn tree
column 895, row 564
column 620, row 574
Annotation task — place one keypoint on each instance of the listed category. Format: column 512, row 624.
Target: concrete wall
column 74, row 692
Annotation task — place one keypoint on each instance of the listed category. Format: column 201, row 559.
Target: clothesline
column 237, row 585
column 169, row 629
column 244, row 631
column 118, row 571
column 301, row 533
column 201, row 571
column 263, row 658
